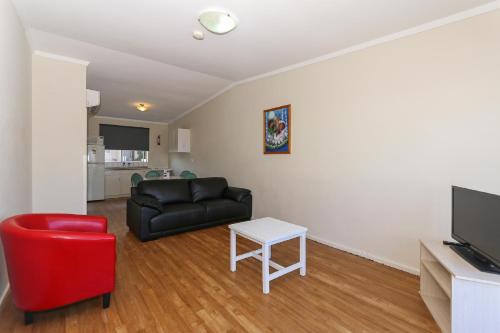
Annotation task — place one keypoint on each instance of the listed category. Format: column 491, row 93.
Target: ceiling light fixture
column 217, row 21
column 142, row 107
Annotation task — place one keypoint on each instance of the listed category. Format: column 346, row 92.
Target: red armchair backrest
column 61, row 222
column 57, row 259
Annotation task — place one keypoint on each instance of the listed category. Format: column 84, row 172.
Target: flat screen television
column 476, row 226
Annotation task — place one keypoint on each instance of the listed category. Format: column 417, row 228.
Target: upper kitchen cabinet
column 180, row 141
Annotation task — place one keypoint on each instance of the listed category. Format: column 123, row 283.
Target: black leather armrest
column 138, row 217
column 147, row 201
column 236, row 193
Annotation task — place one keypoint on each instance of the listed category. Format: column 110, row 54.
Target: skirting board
column 366, row 255
column 3, row 298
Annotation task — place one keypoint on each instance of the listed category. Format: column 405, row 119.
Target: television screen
column 476, row 221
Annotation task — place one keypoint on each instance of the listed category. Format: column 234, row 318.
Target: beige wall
column 158, row 155
column 379, row 136
column 15, row 121
column 59, row 136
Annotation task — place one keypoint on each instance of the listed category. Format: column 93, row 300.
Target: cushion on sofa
column 208, row 188
column 177, row 216
column 222, row 209
column 166, row 191
column 147, row 201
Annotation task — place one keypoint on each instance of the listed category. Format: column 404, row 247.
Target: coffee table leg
column 303, row 255
column 232, row 251
column 265, row 269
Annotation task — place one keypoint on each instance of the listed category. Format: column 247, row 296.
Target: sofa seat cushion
column 177, row 216
column 208, row 188
column 222, row 209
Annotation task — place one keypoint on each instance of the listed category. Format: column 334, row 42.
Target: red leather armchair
column 58, row 259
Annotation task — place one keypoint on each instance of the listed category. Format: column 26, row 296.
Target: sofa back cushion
column 166, row 191
column 208, row 188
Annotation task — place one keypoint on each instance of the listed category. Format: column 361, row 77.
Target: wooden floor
column 183, row 283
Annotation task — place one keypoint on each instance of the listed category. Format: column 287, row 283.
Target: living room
column 359, row 125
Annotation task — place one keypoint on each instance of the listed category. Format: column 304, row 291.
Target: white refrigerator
column 95, row 172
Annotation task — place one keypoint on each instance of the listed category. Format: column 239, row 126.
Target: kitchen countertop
column 127, row 168
column 133, row 168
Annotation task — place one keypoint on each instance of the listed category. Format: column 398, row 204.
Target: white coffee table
column 267, row 232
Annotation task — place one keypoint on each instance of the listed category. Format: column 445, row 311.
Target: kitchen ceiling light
column 218, row 22
column 142, row 107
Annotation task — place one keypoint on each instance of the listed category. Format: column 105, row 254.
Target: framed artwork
column 277, row 130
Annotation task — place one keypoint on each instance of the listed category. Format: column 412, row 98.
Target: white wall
column 158, row 155
column 59, row 136
column 378, row 137
column 15, row 121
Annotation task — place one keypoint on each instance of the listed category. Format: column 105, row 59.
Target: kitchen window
column 125, row 144
column 125, row 156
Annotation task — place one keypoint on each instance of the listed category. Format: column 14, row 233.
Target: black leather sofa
column 166, row 207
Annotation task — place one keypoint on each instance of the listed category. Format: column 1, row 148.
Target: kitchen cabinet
column 111, row 184
column 118, row 183
column 180, row 141
column 125, row 182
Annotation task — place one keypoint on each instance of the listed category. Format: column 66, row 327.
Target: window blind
column 124, row 137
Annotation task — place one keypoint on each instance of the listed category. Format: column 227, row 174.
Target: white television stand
column 459, row 296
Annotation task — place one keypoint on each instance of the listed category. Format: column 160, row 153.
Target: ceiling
column 125, row 79
column 143, row 50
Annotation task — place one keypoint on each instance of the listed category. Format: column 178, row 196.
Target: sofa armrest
column 236, row 193
column 147, row 201
column 138, row 217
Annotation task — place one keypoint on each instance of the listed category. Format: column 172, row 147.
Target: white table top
column 267, row 229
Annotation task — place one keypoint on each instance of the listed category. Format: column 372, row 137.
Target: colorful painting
column 277, row 130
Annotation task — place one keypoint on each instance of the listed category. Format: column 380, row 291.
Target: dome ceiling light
column 217, row 21
column 142, row 107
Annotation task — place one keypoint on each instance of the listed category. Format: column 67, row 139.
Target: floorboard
column 183, row 283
